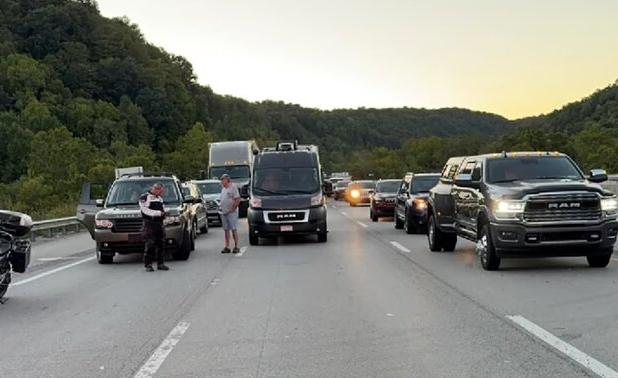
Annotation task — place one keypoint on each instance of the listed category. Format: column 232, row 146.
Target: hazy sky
column 515, row 58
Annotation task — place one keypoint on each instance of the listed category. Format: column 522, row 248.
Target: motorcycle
column 14, row 251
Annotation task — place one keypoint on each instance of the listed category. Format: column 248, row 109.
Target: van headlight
column 508, row 209
column 255, row 203
column 609, row 205
column 317, row 200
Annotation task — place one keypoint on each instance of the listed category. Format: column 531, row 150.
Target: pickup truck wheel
column 193, row 236
column 105, row 258
column 409, row 226
column 486, row 250
column 434, row 235
column 599, row 261
column 204, row 230
column 253, row 238
column 4, row 285
column 449, row 242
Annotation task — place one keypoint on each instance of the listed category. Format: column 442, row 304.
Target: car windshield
column 523, row 168
column 128, row 192
column 284, row 181
column 235, row 171
column 342, row 184
column 388, row 186
column 422, row 184
column 210, row 187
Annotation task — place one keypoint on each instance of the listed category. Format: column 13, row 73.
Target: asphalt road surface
column 372, row 301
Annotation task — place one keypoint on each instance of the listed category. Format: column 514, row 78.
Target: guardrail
column 52, row 227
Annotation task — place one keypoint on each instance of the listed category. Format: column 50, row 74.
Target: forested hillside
column 81, row 94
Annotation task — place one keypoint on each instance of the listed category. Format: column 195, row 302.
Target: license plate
column 287, row 228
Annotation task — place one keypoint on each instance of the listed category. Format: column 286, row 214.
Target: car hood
column 124, row 212
column 519, row 189
column 211, row 197
column 384, row 195
column 289, row 202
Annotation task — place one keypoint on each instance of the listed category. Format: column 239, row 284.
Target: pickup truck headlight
column 420, row 204
column 171, row 221
column 610, row 205
column 508, row 209
column 103, row 223
column 317, row 200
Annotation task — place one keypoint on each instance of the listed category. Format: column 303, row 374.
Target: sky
column 516, row 58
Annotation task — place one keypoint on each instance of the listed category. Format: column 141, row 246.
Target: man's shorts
column 229, row 221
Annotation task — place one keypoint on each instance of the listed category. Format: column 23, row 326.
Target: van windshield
column 285, row 181
column 235, row 171
column 523, row 168
column 128, row 192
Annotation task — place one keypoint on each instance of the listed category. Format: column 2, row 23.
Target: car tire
column 398, row 222
column 449, row 242
column 253, row 238
column 409, row 226
column 486, row 251
column 4, row 285
column 322, row 237
column 105, row 258
column 599, row 261
column 183, row 251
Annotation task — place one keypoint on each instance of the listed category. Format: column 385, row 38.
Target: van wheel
column 486, row 251
column 253, row 238
column 322, row 237
column 104, row 258
column 599, row 261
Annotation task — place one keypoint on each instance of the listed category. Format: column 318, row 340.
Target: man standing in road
column 230, row 200
column 153, row 214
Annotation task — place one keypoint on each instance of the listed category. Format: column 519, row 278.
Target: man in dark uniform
column 151, row 206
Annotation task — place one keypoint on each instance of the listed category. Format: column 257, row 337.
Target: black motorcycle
column 14, row 251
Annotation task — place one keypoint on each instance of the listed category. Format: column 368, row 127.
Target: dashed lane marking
column 155, row 361
column 400, row 247
column 567, row 349
column 53, row 271
column 363, row 225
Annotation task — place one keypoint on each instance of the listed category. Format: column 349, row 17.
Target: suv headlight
column 103, row 223
column 171, row 221
column 317, row 200
column 610, row 205
column 509, row 209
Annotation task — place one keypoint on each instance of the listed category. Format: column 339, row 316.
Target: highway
column 372, row 301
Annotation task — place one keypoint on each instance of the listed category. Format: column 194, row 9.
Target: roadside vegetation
column 81, row 94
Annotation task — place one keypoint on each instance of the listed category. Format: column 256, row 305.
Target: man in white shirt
column 230, row 200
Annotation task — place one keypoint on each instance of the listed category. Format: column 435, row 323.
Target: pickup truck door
column 401, row 198
column 87, row 207
column 464, row 200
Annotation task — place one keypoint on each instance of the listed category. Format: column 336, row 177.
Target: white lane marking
column 242, row 251
column 45, row 259
column 53, row 271
column 362, row 224
column 400, row 247
column 155, row 361
column 344, row 214
column 569, row 350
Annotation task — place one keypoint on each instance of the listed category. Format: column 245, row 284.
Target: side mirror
column 99, row 202
column 465, row 181
column 597, row 175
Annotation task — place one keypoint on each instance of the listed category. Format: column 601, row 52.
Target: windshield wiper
column 505, row 181
column 553, row 178
column 271, row 192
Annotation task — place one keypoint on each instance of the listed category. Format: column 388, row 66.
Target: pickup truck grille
column 128, row 225
column 563, row 207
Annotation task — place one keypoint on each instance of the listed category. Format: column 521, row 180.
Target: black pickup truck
column 519, row 204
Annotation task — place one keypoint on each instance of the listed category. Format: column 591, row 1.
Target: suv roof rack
column 149, row 174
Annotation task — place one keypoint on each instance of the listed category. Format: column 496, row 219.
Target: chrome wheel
column 431, row 233
column 482, row 248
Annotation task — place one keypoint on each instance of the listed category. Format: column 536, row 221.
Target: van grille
column 563, row 207
column 128, row 225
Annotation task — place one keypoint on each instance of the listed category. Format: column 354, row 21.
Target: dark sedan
column 383, row 200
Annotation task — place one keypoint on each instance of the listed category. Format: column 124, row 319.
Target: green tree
column 191, row 154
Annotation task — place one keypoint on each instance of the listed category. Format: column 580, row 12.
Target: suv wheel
column 408, row 225
column 4, row 285
column 486, row 250
column 433, row 235
column 600, row 261
column 322, row 237
column 183, row 251
column 204, row 229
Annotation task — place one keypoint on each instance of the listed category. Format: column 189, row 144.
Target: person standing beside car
column 153, row 214
column 230, row 200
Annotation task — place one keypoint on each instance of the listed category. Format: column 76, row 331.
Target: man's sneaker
column 149, row 268
column 226, row 250
column 236, row 250
column 163, row 267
